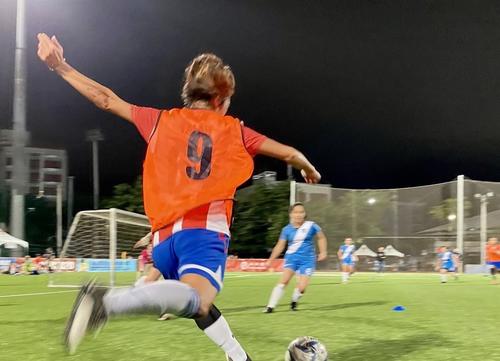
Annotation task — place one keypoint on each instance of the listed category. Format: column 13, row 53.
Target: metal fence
column 459, row 214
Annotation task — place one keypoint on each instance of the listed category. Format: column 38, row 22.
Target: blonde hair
column 206, row 78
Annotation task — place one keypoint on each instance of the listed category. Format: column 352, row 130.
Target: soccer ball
column 306, row 348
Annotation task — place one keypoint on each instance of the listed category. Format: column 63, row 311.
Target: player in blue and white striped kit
column 300, row 257
column 347, row 258
column 446, row 264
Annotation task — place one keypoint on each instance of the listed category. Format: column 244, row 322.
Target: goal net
column 100, row 244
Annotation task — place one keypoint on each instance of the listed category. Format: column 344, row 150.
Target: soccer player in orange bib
column 196, row 158
column 493, row 258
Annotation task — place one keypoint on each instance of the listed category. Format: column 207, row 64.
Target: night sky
column 378, row 94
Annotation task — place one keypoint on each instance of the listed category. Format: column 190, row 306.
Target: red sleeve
column 144, row 119
column 253, row 140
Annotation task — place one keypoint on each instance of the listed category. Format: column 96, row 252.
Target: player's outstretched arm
column 321, row 239
column 292, row 156
column 52, row 54
column 277, row 250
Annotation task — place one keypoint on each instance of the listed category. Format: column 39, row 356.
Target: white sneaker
column 78, row 323
column 166, row 317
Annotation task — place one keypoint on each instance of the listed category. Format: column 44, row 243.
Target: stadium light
column 371, row 201
column 452, row 217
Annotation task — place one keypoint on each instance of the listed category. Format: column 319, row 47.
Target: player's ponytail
column 206, row 78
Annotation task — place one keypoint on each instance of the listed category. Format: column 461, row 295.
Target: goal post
column 100, row 244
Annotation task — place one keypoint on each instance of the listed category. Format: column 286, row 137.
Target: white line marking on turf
column 36, row 294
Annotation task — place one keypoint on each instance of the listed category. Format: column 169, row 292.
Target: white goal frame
column 112, row 217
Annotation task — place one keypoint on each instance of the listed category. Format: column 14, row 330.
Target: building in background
column 46, row 168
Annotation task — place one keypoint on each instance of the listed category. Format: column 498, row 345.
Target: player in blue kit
column 300, row 257
column 446, row 263
column 347, row 259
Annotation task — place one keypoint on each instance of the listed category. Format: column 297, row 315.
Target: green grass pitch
column 459, row 320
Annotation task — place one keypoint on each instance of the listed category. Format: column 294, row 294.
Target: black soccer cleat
column 293, row 306
column 88, row 314
column 268, row 310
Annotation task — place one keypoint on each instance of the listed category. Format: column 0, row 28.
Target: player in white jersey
column 347, row 258
column 300, row 257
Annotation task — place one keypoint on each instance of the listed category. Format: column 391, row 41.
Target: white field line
column 360, row 275
column 35, row 294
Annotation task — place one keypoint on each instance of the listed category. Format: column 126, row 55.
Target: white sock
column 276, row 295
column 444, row 278
column 157, row 297
column 296, row 295
column 345, row 276
column 220, row 333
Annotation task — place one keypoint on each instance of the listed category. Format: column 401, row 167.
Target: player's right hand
column 50, row 51
column 322, row 256
column 311, row 176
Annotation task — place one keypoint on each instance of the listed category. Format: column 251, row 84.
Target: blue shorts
column 300, row 265
column 448, row 266
column 348, row 261
column 198, row 251
column 494, row 264
column 449, row 269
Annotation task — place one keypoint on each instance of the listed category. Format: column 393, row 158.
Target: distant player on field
column 380, row 259
column 300, row 258
column 493, row 258
column 196, row 158
column 347, row 259
column 446, row 263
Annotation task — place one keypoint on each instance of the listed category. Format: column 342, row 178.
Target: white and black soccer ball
column 306, row 348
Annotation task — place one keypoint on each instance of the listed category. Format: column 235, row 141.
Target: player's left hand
column 50, row 51
column 322, row 256
column 311, row 177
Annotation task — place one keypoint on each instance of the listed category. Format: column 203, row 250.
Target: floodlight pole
column 95, row 136
column 483, row 198
column 59, row 219
column 460, row 214
column 70, row 195
column 19, row 126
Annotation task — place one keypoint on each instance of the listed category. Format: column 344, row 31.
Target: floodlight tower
column 18, row 184
column 483, row 198
column 94, row 136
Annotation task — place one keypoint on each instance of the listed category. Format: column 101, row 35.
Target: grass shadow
column 342, row 306
column 389, row 350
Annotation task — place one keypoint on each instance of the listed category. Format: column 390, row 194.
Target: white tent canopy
column 9, row 241
column 365, row 251
column 391, row 251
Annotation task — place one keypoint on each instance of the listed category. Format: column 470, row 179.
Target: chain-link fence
column 414, row 221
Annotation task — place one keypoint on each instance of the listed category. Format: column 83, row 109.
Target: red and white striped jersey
column 215, row 216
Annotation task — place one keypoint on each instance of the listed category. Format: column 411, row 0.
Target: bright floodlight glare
column 477, row 195
column 372, row 201
column 452, row 217
column 490, row 194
